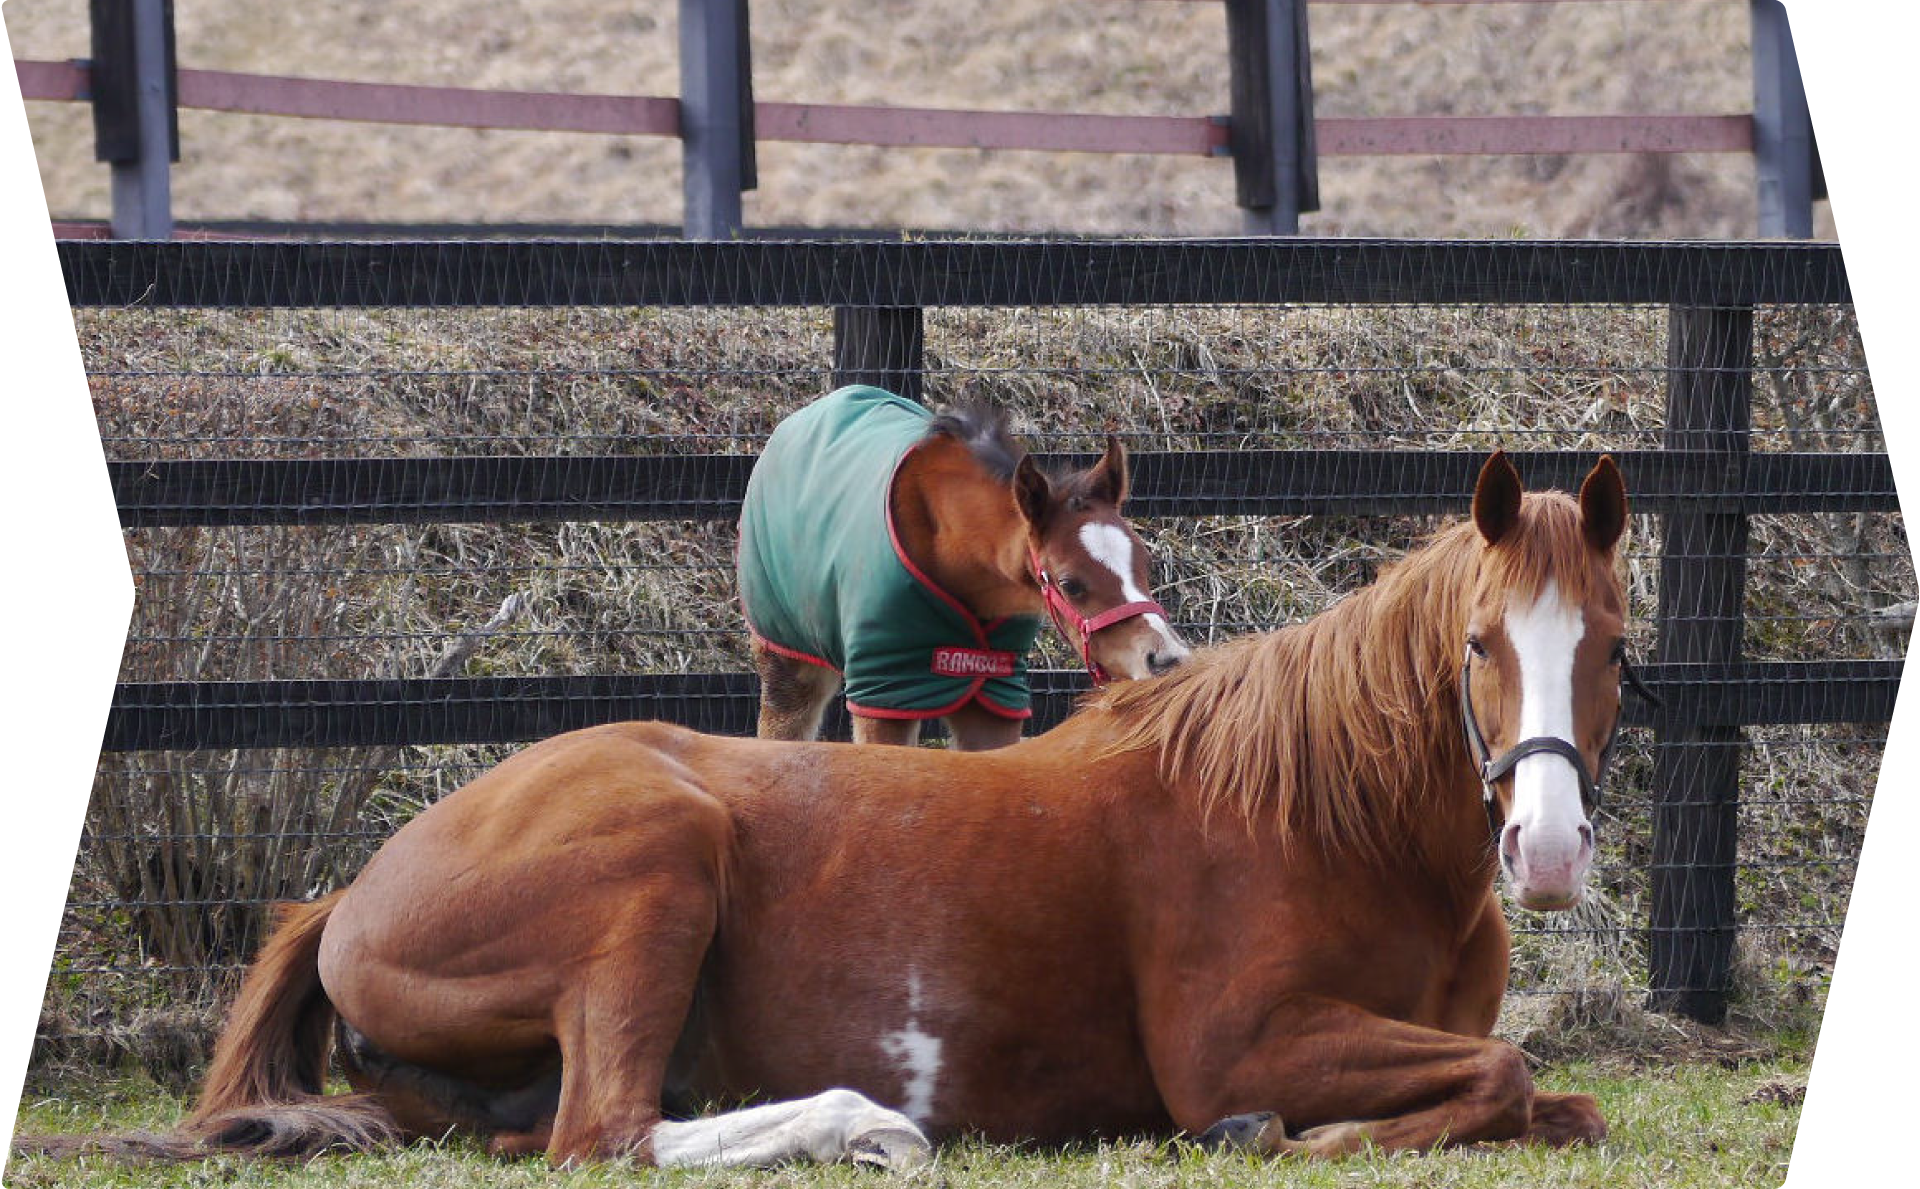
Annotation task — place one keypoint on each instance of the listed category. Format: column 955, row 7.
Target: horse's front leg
column 1324, row 1078
column 976, row 728
column 900, row 732
column 1470, row 1004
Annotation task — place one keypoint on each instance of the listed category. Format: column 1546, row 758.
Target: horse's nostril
column 1160, row 662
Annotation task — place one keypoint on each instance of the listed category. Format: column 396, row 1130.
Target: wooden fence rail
column 1271, row 133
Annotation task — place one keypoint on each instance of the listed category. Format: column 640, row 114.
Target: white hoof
column 895, row 1149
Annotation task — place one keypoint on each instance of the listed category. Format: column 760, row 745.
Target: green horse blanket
column 823, row 578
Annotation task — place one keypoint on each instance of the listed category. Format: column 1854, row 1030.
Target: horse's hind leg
column 836, row 1125
column 793, row 694
column 425, row 1102
column 618, row 1026
column 639, row 939
column 895, row 732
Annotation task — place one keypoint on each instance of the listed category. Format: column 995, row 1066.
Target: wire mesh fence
column 1347, row 402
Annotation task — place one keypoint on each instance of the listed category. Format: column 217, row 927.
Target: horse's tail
column 264, row 1093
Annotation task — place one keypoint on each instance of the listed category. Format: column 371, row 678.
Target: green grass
column 1695, row 1125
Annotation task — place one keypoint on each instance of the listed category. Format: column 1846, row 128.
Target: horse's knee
column 1502, row 1080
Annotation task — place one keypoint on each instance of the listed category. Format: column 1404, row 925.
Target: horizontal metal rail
column 520, row 488
column 1268, row 271
column 181, row 716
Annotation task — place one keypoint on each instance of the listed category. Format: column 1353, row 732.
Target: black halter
column 1492, row 768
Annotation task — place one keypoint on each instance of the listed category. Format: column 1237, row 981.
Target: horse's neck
column 960, row 527
column 1413, row 626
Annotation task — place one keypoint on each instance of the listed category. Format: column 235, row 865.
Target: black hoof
column 1235, row 1131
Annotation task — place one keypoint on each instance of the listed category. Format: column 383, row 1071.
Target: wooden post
column 1703, row 568
column 716, row 117
column 135, row 120
column 1276, row 175
column 1786, row 162
column 884, row 347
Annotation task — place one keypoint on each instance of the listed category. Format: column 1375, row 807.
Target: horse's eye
column 1070, row 586
column 1476, row 648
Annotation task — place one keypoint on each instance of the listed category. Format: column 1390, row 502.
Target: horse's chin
column 1548, row 901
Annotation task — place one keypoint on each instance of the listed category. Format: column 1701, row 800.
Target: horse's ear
column 1032, row 493
column 1108, row 478
column 1603, row 505
column 1496, row 498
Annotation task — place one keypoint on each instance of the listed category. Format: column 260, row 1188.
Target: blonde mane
column 1329, row 727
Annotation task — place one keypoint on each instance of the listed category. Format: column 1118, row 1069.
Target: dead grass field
column 601, row 598
column 1111, row 56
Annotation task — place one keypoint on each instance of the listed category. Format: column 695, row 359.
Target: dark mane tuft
column 982, row 428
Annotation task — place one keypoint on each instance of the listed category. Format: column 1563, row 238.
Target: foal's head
column 1542, row 663
column 1092, row 567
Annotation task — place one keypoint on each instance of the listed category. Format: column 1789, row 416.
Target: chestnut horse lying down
column 1253, row 899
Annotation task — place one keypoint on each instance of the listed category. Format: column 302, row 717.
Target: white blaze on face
column 1546, row 789
column 918, row 1054
column 1110, row 545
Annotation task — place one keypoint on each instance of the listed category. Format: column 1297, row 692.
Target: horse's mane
column 982, row 428
column 1329, row 727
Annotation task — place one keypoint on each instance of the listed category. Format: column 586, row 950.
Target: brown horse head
column 1541, row 675
column 1091, row 567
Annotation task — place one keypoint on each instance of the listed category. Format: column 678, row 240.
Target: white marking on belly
column 1110, row 545
column 917, row 1052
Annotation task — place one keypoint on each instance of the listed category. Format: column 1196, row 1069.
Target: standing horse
column 910, row 557
column 1253, row 899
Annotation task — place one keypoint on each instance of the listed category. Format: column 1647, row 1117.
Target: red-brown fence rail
column 1270, row 88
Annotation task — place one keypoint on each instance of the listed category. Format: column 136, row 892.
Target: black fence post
column 716, row 117
column 881, row 346
column 1786, row 158
column 1276, row 173
column 1703, row 570
column 136, row 126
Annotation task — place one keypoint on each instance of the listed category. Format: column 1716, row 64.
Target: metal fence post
column 716, row 116
column 135, row 120
column 1703, row 569
column 1786, row 160
column 881, row 346
column 1276, row 173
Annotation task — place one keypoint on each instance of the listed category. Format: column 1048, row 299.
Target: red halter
column 1063, row 612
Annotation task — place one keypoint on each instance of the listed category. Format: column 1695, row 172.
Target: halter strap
column 1063, row 613
column 1492, row 768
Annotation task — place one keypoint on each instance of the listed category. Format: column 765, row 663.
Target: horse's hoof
column 1235, row 1131
column 1333, row 1139
column 894, row 1149
column 1563, row 1119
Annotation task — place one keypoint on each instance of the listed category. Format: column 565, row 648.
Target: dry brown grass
column 1113, row 56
